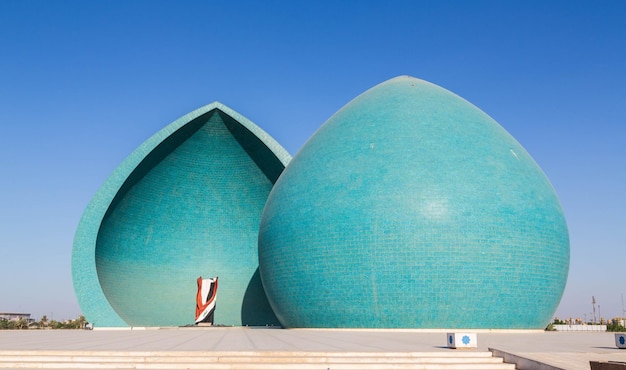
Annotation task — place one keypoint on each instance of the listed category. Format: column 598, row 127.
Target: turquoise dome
column 411, row 208
column 186, row 203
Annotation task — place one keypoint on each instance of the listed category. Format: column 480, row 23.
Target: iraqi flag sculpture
column 205, row 300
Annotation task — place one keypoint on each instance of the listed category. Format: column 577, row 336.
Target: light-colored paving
column 565, row 350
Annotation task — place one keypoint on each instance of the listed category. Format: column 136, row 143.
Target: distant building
column 618, row 321
column 13, row 316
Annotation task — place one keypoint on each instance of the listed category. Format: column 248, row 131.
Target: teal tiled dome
column 186, row 203
column 411, row 208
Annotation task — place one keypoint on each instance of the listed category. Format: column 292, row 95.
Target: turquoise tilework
column 411, row 208
column 186, row 203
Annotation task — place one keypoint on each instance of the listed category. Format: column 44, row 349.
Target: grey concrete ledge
column 522, row 363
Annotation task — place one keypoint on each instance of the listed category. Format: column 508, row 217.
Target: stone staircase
column 250, row 360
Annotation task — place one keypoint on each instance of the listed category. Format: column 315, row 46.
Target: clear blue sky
column 83, row 83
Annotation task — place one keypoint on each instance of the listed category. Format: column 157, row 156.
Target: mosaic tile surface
column 186, row 203
column 411, row 208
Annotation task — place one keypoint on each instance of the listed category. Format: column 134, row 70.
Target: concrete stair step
column 203, row 354
column 251, row 360
column 256, row 366
column 258, row 360
column 238, row 359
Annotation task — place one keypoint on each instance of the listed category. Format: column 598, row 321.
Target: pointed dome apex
column 406, row 95
column 405, row 79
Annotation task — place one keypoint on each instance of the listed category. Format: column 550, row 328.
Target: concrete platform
column 556, row 350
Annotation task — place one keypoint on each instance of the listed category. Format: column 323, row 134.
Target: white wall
column 580, row 327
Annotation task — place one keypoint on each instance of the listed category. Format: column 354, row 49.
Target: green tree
column 55, row 325
column 43, row 323
column 615, row 326
column 21, row 324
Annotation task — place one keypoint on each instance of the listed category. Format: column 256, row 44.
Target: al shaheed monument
column 408, row 208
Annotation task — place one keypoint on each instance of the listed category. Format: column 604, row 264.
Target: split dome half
column 408, row 208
